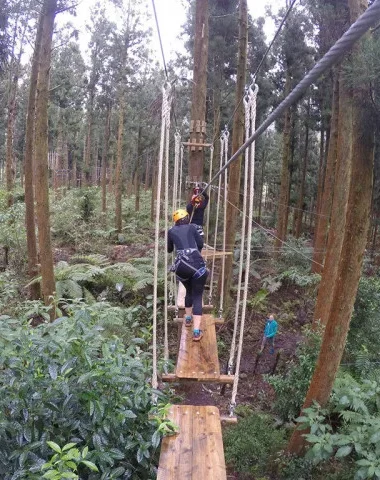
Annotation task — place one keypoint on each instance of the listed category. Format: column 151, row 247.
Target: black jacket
column 184, row 236
column 199, row 212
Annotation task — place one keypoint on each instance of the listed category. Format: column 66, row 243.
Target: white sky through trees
column 171, row 16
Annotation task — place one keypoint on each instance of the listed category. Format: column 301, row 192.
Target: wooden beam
column 196, row 451
column 217, row 321
column 210, row 254
column 172, row 378
column 205, row 308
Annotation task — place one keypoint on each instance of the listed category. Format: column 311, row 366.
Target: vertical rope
column 226, row 136
column 208, row 206
column 252, row 96
column 180, row 175
column 165, row 120
column 166, row 337
column 242, row 240
column 222, row 144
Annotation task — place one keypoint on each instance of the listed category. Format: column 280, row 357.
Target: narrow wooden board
column 210, row 254
column 205, row 308
column 217, row 321
column 172, row 378
column 196, row 452
column 198, row 360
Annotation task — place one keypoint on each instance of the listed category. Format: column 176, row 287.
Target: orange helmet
column 179, row 215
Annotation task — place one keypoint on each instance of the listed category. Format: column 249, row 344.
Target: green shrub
column 357, row 435
column 67, row 383
column 291, row 388
column 251, row 445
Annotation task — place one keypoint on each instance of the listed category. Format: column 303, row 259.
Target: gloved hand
column 196, row 200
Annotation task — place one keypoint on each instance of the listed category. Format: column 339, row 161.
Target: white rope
column 226, row 137
column 208, row 206
column 167, row 141
column 175, row 205
column 222, row 144
column 247, row 108
column 180, row 174
column 164, row 140
column 252, row 96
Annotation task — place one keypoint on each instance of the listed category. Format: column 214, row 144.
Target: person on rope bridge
column 189, row 267
column 270, row 331
column 196, row 209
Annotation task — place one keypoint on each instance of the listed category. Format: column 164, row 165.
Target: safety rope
column 208, row 206
column 226, row 137
column 221, row 158
column 252, row 96
column 164, row 149
column 247, row 110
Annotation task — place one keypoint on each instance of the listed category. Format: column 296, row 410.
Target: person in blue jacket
column 270, row 331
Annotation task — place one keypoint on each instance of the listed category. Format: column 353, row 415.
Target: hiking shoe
column 188, row 320
column 197, row 335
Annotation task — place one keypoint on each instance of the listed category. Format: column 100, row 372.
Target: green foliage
column 299, row 278
column 358, row 433
column 87, row 204
column 291, row 388
column 363, row 342
column 64, row 463
column 251, row 445
column 66, row 382
column 12, row 233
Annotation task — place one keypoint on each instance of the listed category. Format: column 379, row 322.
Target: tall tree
column 233, row 195
column 198, row 104
column 48, row 13
column 29, row 167
column 354, row 241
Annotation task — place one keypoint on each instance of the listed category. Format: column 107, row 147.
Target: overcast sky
column 171, row 16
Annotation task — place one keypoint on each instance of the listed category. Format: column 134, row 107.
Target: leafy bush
column 291, row 388
column 65, row 382
column 251, row 445
column 364, row 334
column 358, row 433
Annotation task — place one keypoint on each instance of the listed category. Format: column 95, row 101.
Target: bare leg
column 197, row 322
column 188, row 311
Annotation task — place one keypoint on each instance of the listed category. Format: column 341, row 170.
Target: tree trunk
column 41, row 153
column 327, row 195
column 282, row 223
column 233, row 194
column 118, row 170
column 198, row 106
column 299, row 210
column 104, row 159
column 34, row 290
column 354, row 243
column 339, row 204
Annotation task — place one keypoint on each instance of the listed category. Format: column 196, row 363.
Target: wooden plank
column 217, row 321
column 223, row 379
column 208, row 445
column 198, row 359
column 205, row 308
column 209, row 254
column 196, row 452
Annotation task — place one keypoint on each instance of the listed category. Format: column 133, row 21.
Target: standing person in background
column 189, row 267
column 270, row 331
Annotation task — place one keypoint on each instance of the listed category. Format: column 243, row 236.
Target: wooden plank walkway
column 196, row 452
column 198, row 360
